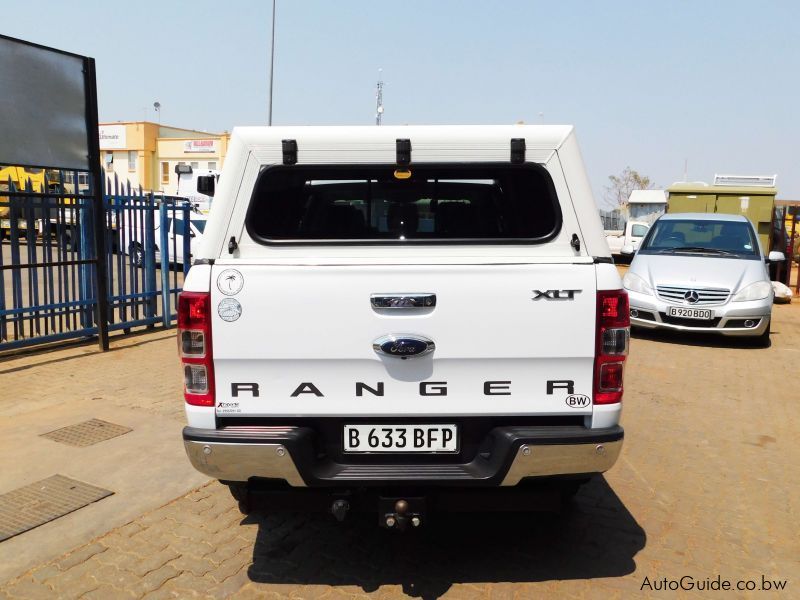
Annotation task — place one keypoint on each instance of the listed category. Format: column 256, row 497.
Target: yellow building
column 145, row 153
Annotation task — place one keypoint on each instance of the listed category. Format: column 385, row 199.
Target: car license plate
column 690, row 313
column 400, row 438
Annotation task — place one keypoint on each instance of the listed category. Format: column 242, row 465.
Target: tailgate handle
column 403, row 301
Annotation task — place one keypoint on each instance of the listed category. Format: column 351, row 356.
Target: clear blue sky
column 648, row 84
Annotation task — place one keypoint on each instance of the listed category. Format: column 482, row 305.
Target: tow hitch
column 400, row 513
column 339, row 509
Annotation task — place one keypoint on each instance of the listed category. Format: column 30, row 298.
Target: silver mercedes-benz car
column 701, row 272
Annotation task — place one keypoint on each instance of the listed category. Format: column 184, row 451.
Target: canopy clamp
column 403, row 151
column 289, row 152
column 517, row 151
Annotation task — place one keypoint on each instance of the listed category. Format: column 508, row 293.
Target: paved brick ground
column 706, row 486
column 137, row 386
column 141, row 373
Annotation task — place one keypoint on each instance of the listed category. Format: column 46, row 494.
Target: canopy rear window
column 469, row 203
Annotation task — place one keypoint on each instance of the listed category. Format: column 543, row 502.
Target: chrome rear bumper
column 241, row 453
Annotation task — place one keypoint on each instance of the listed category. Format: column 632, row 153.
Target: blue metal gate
column 50, row 279
column 145, row 264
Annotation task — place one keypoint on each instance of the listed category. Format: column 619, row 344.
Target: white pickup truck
column 631, row 236
column 134, row 233
column 395, row 318
column 187, row 186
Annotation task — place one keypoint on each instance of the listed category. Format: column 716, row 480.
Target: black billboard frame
column 93, row 168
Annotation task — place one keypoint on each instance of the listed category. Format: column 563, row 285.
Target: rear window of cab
column 379, row 204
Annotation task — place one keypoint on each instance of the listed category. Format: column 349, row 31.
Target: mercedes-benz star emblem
column 691, row 297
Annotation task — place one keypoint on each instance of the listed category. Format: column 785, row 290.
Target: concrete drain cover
column 86, row 433
column 38, row 503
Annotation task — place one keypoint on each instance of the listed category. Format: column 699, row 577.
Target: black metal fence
column 51, row 276
column 612, row 219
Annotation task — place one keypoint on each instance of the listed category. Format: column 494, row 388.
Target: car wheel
column 763, row 341
column 137, row 254
column 69, row 241
column 112, row 242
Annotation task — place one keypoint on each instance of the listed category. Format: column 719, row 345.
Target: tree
column 620, row 187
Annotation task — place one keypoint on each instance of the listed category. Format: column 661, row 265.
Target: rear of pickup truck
column 379, row 319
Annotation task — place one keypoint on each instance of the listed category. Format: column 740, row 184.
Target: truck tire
column 68, row 240
column 762, row 341
column 136, row 253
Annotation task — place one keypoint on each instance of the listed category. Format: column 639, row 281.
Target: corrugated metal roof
column 703, row 217
column 647, row 197
column 703, row 188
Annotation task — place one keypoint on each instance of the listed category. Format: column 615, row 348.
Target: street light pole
column 271, row 63
column 379, row 99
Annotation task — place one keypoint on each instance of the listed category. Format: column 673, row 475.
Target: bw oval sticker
column 578, row 401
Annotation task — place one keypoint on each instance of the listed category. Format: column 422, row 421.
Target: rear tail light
column 613, row 335
column 194, row 347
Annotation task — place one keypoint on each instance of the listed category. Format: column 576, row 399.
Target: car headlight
column 755, row 291
column 635, row 283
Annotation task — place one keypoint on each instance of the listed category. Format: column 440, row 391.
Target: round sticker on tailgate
column 230, row 282
column 229, row 309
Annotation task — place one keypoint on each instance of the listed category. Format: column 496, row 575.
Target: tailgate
column 303, row 343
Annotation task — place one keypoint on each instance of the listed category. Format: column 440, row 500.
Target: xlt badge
column 555, row 294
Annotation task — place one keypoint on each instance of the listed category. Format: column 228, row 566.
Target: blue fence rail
column 49, row 267
column 143, row 280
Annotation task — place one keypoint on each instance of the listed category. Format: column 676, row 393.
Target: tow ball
column 400, row 514
column 339, row 509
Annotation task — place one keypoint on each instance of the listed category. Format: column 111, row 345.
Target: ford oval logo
column 403, row 345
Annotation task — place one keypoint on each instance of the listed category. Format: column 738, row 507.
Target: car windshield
column 701, row 237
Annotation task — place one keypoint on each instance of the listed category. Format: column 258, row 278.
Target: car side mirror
column 205, row 184
column 627, row 250
column 776, row 256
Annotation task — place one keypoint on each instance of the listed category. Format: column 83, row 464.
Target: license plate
column 400, row 438
column 690, row 313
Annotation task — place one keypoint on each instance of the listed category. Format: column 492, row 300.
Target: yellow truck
column 55, row 189
column 17, row 178
column 20, row 177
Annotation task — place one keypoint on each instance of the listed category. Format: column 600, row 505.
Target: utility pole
column 271, row 63
column 379, row 100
